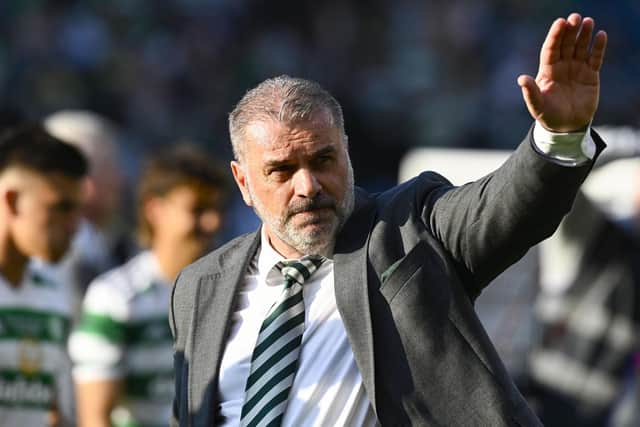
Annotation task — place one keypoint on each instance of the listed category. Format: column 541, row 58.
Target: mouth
column 314, row 216
column 320, row 210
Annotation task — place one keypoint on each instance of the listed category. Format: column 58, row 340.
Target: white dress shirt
column 327, row 389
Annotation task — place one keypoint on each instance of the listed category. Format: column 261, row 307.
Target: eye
column 281, row 169
column 280, row 172
column 324, row 160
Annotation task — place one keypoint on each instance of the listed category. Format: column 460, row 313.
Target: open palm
column 564, row 95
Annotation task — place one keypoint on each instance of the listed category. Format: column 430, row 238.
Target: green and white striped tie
column 275, row 357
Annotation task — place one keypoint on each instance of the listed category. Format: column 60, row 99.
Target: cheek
column 335, row 184
column 32, row 237
column 277, row 204
column 272, row 198
column 34, row 219
column 181, row 221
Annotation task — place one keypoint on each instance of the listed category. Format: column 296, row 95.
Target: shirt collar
column 269, row 257
column 150, row 267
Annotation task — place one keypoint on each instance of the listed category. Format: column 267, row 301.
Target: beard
column 322, row 218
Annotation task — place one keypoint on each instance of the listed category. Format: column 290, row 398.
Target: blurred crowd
column 122, row 79
column 407, row 72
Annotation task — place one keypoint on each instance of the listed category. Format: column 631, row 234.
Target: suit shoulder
column 417, row 191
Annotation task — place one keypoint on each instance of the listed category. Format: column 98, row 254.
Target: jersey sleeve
column 97, row 344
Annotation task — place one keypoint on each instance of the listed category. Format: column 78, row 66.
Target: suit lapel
column 352, row 296
column 214, row 305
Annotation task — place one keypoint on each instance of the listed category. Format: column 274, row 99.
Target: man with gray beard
column 354, row 309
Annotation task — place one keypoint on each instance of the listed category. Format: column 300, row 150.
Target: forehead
column 195, row 191
column 27, row 179
column 275, row 139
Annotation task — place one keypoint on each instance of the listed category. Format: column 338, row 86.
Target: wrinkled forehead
column 273, row 134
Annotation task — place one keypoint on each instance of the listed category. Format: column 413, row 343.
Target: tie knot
column 299, row 270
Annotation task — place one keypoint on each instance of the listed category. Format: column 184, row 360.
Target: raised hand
column 564, row 95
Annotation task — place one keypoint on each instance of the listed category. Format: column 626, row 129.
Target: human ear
column 241, row 180
column 10, row 200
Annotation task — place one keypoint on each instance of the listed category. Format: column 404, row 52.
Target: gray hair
column 284, row 99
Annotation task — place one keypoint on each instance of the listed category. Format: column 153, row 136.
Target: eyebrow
column 321, row 152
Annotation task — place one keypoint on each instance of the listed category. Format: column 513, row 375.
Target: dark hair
column 180, row 164
column 30, row 146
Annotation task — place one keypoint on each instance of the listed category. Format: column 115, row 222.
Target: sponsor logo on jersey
column 29, row 356
column 17, row 390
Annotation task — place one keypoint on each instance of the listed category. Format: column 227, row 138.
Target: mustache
column 321, row 201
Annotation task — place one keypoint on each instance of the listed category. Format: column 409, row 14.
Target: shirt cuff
column 568, row 148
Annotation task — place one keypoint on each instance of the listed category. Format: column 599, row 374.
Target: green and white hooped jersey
column 124, row 333
column 35, row 370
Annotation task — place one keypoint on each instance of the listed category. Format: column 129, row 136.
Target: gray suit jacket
column 408, row 265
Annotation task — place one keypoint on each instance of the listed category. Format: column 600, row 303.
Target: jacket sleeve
column 489, row 224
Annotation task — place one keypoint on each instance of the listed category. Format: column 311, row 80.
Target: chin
column 322, row 230
column 318, row 240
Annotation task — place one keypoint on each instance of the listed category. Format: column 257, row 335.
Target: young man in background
column 40, row 200
column 122, row 348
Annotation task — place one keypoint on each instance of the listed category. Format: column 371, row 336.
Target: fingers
column 531, row 94
column 568, row 44
column 597, row 51
column 570, row 39
column 583, row 40
column 596, row 56
column 550, row 52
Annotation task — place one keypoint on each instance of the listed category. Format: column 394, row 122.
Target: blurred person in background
column 122, row 348
column 588, row 308
column 103, row 238
column 40, row 201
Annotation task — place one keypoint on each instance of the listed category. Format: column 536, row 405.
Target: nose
column 306, row 183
